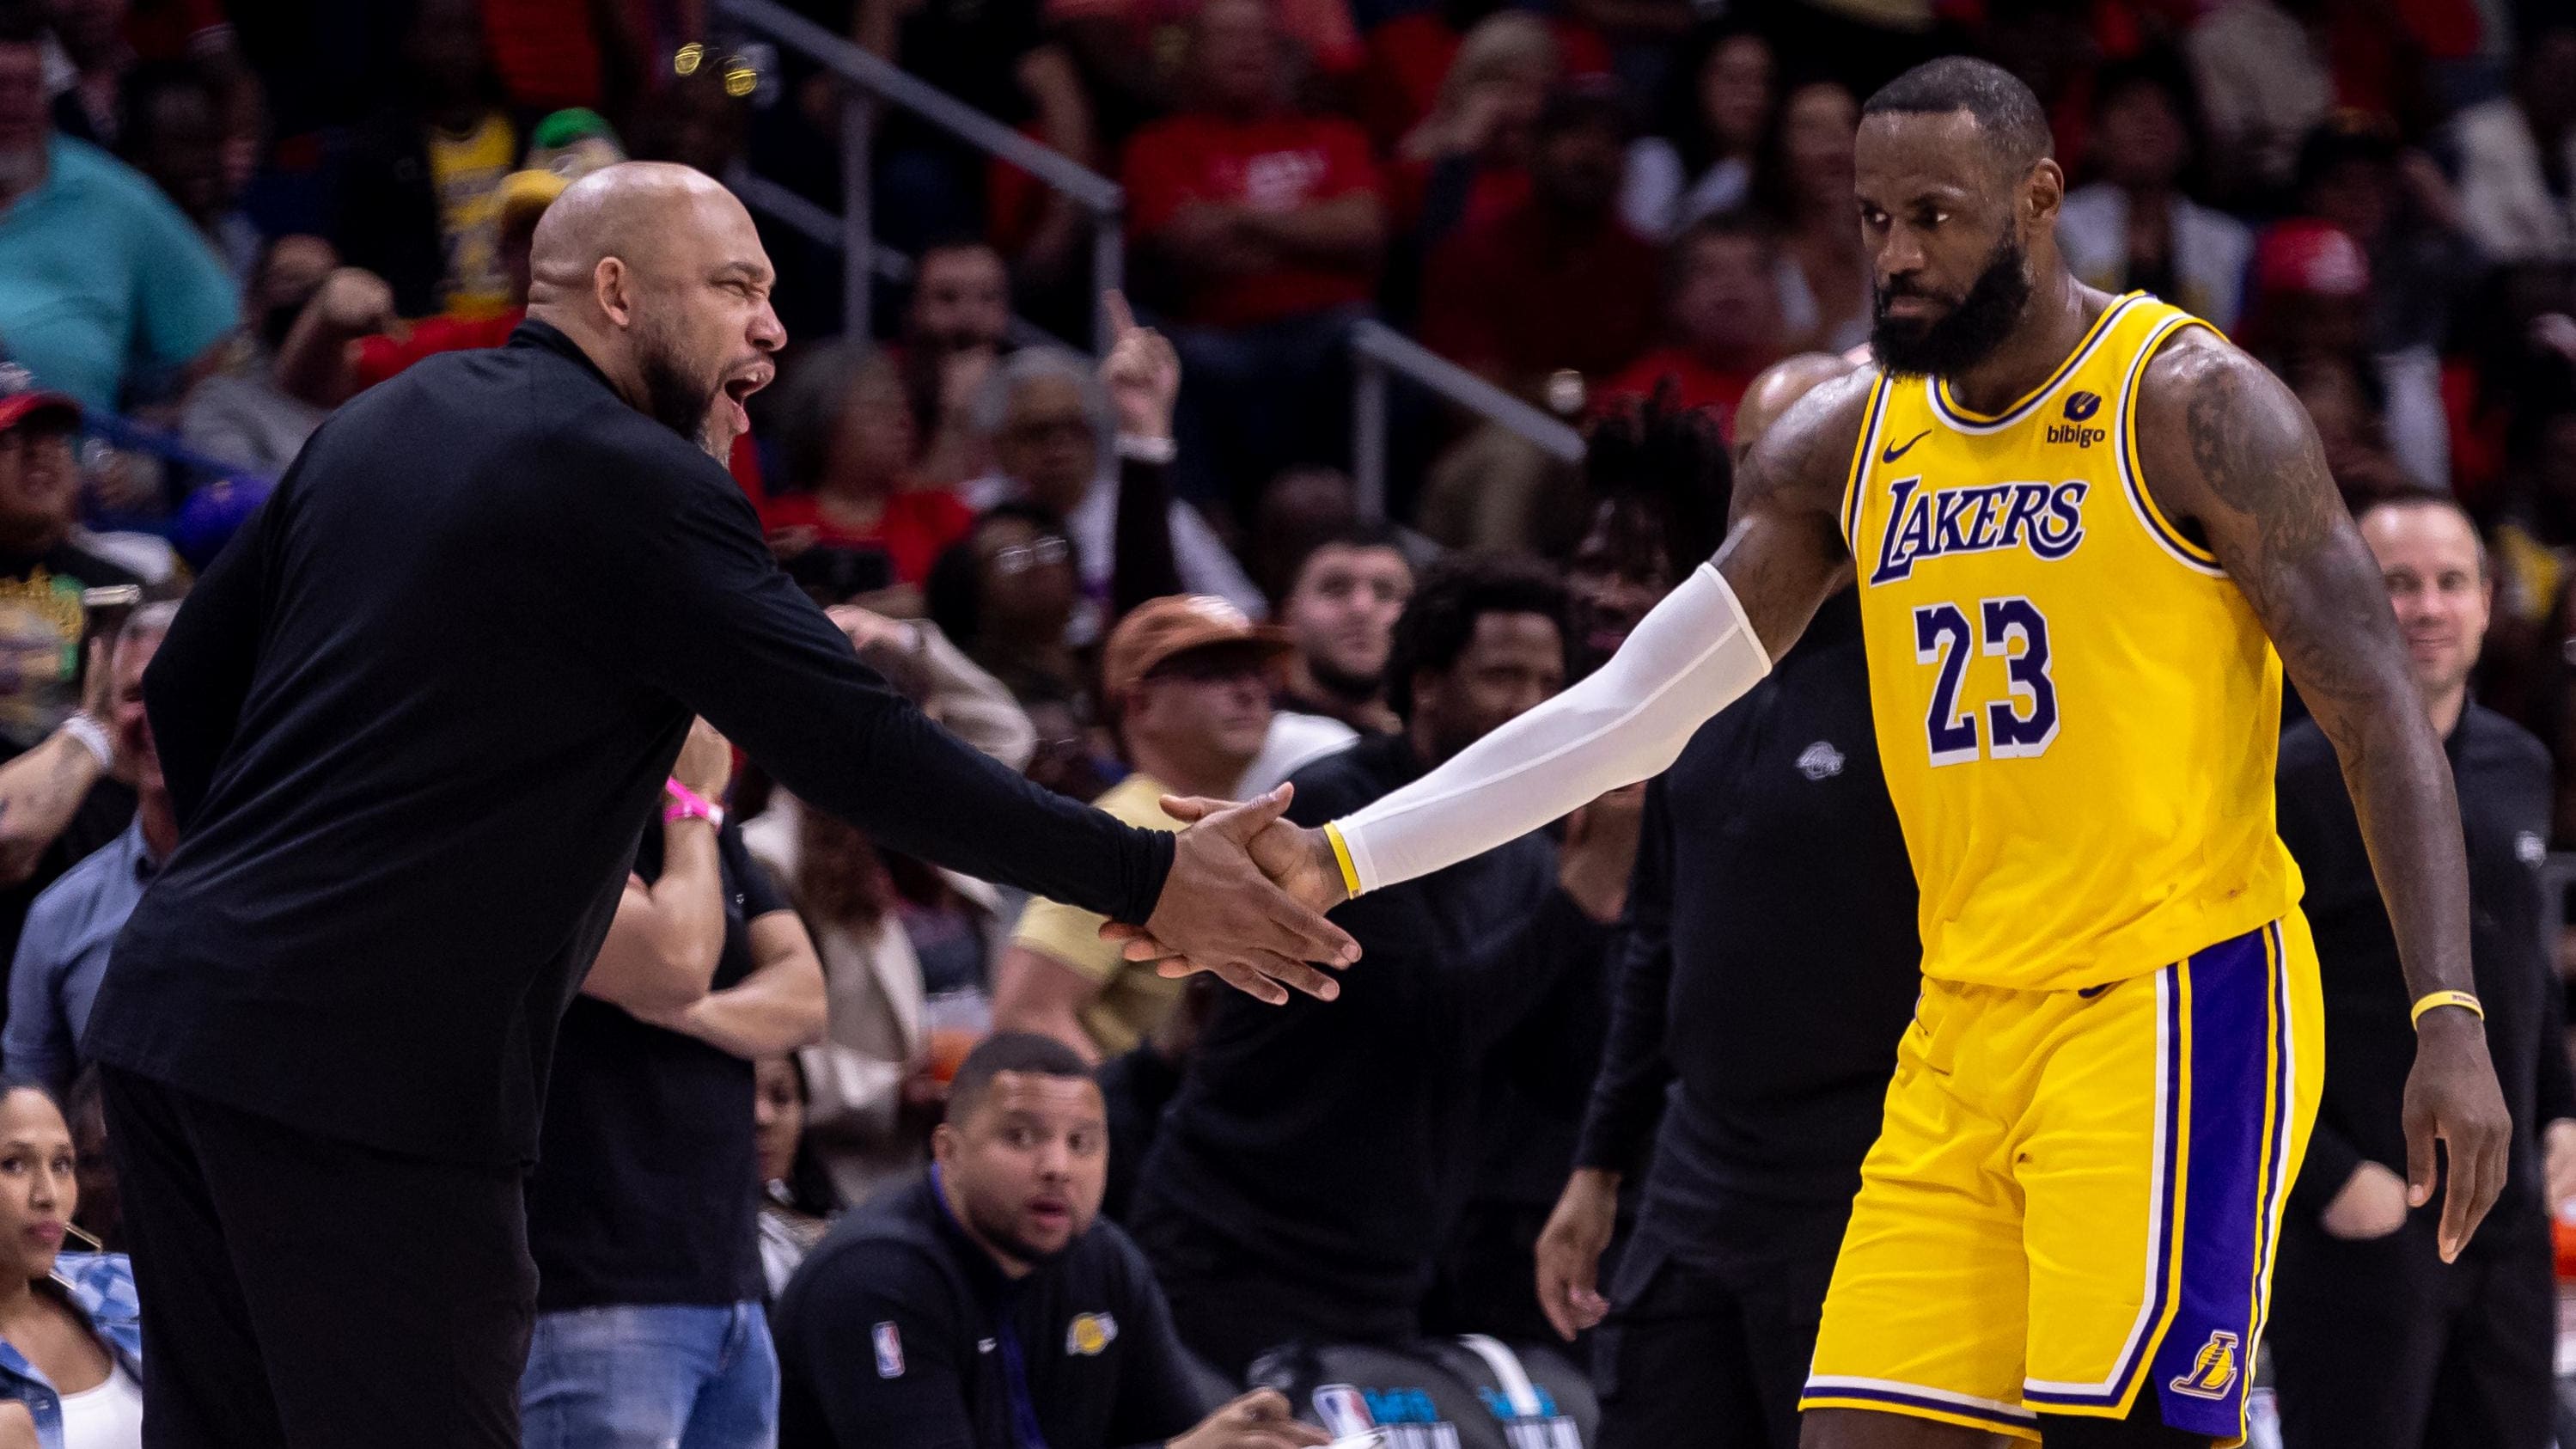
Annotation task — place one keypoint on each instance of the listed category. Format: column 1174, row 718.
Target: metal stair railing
column 1378, row 351
column 875, row 79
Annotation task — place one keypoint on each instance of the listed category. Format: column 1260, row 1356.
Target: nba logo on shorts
column 2213, row 1372
column 889, row 1351
column 1344, row 1412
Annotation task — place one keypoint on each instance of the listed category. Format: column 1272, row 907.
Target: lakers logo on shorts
column 2213, row 1372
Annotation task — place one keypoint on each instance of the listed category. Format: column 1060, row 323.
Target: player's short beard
column 1968, row 333
column 673, row 397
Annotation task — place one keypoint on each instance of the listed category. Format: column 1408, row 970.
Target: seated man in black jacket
column 985, row 1308
column 2380, row 1344
column 1315, row 1160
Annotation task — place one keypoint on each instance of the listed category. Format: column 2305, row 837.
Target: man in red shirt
column 1558, row 284
column 1560, row 281
column 1269, row 224
column 1723, row 319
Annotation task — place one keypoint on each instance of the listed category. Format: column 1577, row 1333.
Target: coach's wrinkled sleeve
column 697, row 606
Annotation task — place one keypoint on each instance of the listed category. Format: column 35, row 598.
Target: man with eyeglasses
column 1187, row 680
column 1094, row 447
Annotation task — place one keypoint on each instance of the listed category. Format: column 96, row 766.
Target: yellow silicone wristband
column 2432, row 999
column 1342, row 858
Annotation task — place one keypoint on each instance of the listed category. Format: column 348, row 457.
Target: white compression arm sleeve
column 1692, row 656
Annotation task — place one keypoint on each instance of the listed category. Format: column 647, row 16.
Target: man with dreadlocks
column 1656, row 480
column 1756, row 1012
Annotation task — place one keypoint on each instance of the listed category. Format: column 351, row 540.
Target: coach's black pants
column 1696, row 1358
column 2381, row 1345
column 304, row 1292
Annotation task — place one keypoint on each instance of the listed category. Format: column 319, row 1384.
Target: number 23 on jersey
column 2018, row 726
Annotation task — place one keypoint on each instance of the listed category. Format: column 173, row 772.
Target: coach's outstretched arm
column 2225, row 443
column 700, row 611
column 676, row 592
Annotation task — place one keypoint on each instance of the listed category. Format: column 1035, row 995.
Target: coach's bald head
column 657, row 273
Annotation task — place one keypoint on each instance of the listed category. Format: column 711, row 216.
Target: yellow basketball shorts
column 2075, row 1196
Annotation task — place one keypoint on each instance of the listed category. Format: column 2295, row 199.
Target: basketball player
column 2081, row 527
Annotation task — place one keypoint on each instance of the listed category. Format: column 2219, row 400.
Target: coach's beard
column 684, row 404
column 1965, row 335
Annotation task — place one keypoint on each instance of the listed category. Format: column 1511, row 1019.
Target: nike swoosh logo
column 1892, row 454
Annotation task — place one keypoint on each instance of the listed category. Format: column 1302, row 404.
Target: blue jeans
column 651, row 1376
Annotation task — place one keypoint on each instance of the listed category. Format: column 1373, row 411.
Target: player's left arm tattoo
column 2225, row 444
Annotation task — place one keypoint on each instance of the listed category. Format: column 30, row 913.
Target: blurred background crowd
column 1137, row 570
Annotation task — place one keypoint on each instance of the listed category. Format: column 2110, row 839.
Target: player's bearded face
column 1974, row 324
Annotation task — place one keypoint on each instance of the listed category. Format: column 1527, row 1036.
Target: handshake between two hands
column 1248, row 890
column 1246, row 900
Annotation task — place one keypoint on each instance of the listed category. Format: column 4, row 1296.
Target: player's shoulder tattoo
column 2218, row 428
column 1807, row 454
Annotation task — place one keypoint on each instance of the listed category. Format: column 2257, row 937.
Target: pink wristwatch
column 688, row 804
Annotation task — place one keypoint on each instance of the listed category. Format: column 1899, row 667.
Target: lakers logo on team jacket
column 1089, row 1333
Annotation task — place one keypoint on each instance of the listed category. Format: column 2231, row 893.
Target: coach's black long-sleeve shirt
column 417, row 715
column 1766, row 968
column 2502, row 778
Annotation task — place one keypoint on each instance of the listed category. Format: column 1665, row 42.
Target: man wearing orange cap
column 1188, row 679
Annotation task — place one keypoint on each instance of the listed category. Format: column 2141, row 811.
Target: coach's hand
column 1570, row 1249
column 2452, row 1096
column 1221, row 912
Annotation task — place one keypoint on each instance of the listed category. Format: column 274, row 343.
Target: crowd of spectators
column 1148, row 574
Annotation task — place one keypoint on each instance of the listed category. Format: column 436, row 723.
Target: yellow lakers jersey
column 2076, row 710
